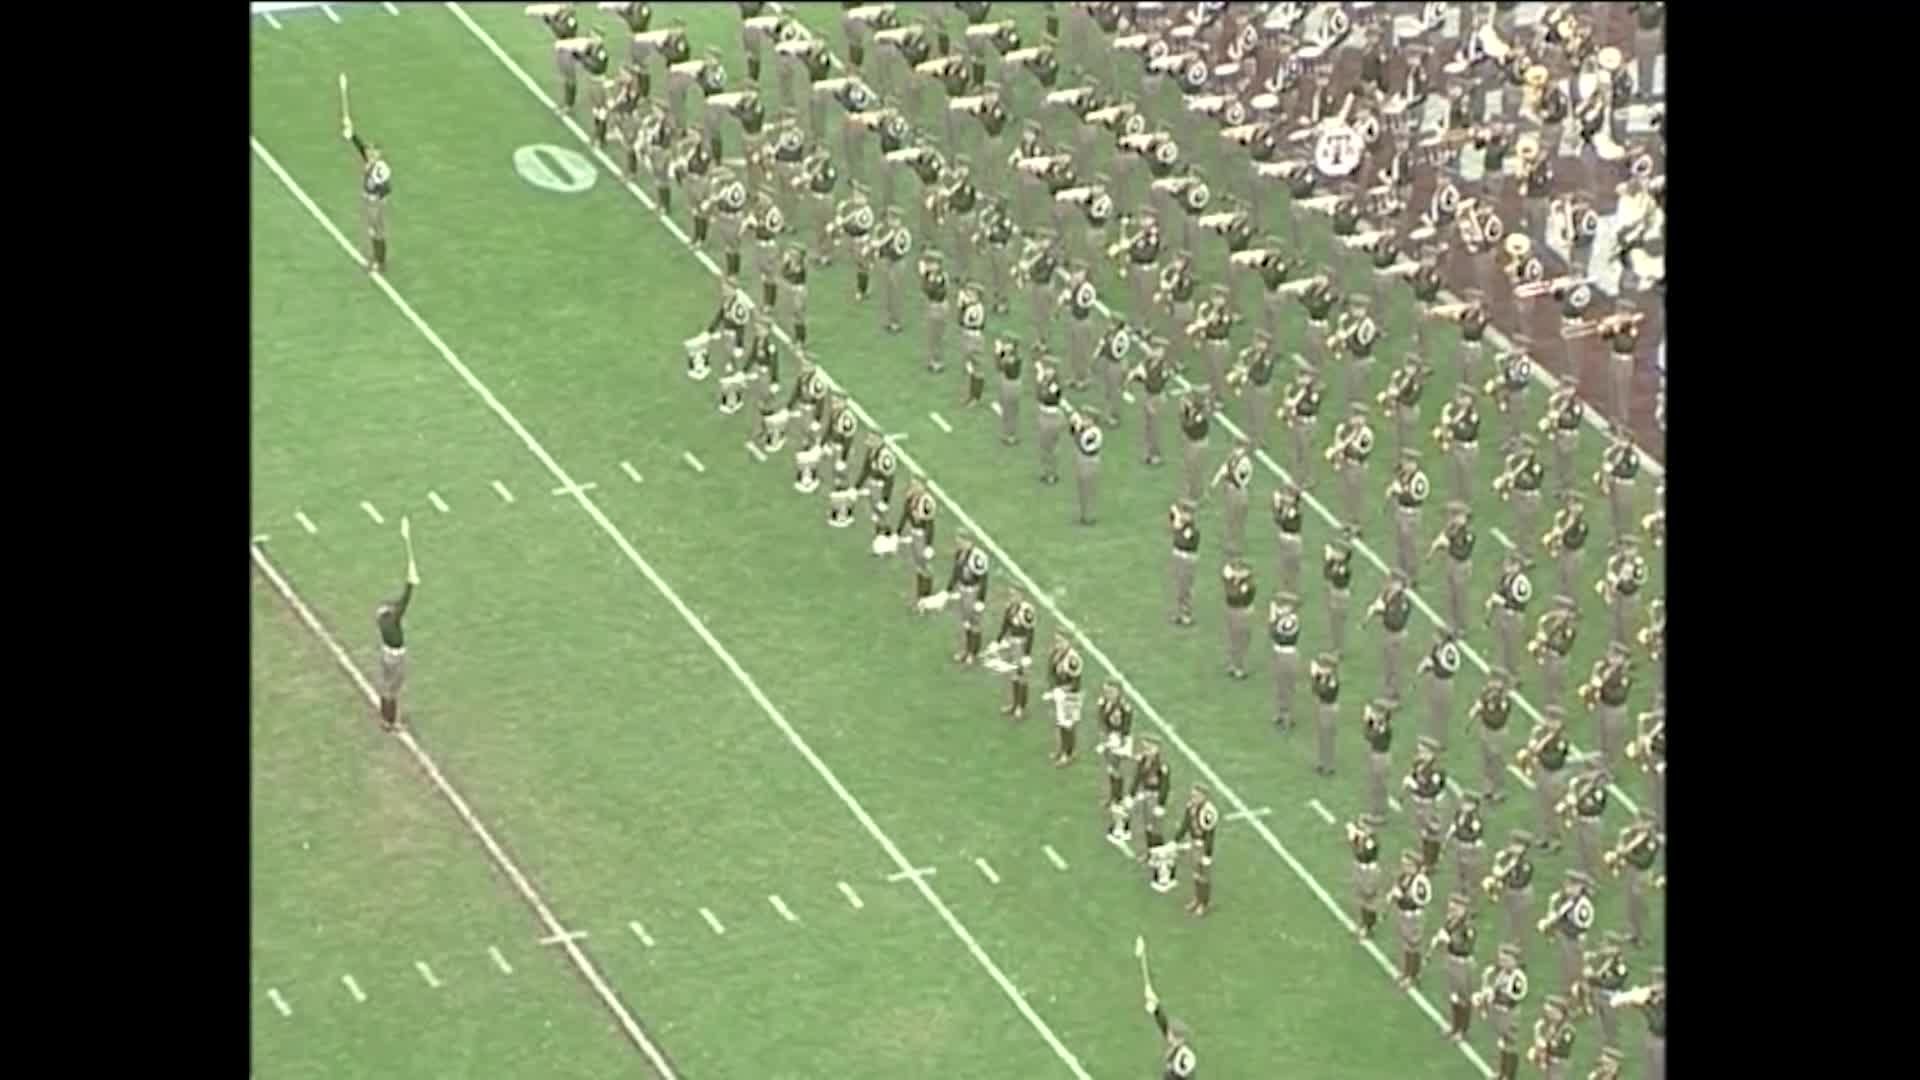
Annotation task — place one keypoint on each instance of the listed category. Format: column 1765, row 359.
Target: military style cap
column 1360, row 409
column 1617, row 939
column 1580, row 878
column 1409, row 858
column 1359, row 300
column 1508, row 954
column 1520, row 836
column 1459, row 899
column 1455, row 506
column 1328, row 659
column 1397, row 576
column 1287, row 598
column 1556, row 714
column 1562, row 600
column 1556, row 1002
column 1611, row 1056
column 1428, row 745
column 1373, row 821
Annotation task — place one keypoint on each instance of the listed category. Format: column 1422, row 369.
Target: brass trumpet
column 1365, row 240
column 1277, row 170
column 1528, row 754
column 1207, row 104
column 939, row 66
column 1528, row 290
column 1170, row 63
column 1070, row 97
column 1612, row 324
column 1451, row 311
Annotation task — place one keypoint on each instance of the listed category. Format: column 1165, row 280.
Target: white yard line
column 913, row 873
column 853, row 898
column 1250, row 815
column 641, row 933
column 995, row 406
column 660, row 585
column 353, row 988
column 692, row 462
column 501, row 490
column 780, row 906
column 427, row 974
column 986, row 870
column 713, row 922
column 453, row 797
column 279, row 1003
column 305, row 522
column 439, row 503
column 1502, row 537
column 940, row 422
column 632, row 473
column 391, row 10
column 563, row 937
column 499, row 960
column 328, row 9
column 754, row 449
column 372, row 513
column 261, row 538
column 271, row 21
column 1325, row 814
column 973, row 527
column 1054, row 857
column 567, row 490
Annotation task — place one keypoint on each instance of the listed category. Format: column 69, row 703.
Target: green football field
column 687, row 790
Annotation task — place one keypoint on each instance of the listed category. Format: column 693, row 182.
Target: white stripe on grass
column 853, row 898
column 439, row 503
column 328, row 10
column 372, row 513
column 501, row 490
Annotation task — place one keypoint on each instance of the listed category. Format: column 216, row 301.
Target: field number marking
column 554, row 168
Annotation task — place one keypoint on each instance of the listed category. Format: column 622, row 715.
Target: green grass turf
column 630, row 774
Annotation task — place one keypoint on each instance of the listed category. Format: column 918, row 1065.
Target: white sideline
column 673, row 598
column 460, row 807
column 1214, row 780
